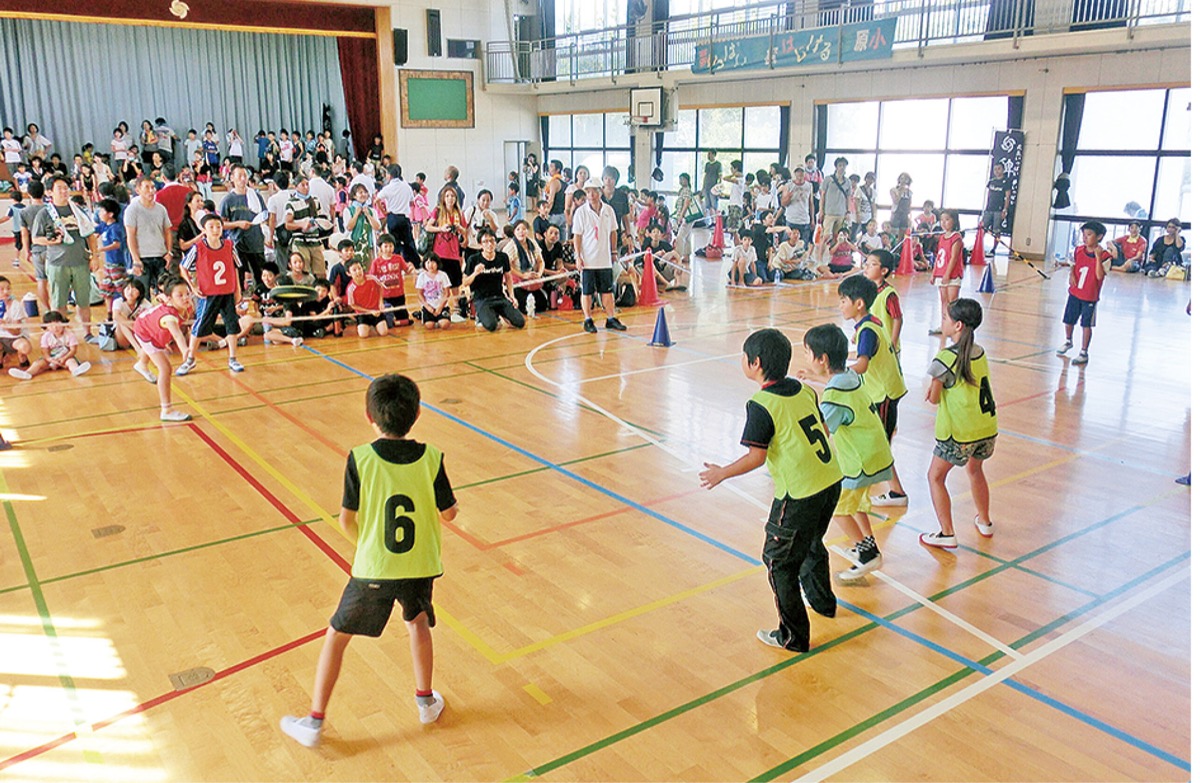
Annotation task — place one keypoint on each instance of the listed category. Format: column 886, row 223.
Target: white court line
column 656, row 369
column 912, row 594
column 995, row 678
column 621, row 422
column 979, row 633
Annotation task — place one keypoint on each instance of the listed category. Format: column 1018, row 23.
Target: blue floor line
column 1049, row 701
column 559, row 469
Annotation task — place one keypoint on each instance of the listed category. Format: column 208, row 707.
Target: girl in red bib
column 948, row 263
column 154, row 331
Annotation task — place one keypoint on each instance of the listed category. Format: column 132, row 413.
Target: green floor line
column 161, row 555
column 543, row 469
column 941, row 685
column 1013, row 564
column 43, row 610
column 650, row 723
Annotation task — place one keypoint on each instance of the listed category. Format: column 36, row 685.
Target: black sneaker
column 589, row 326
column 613, row 323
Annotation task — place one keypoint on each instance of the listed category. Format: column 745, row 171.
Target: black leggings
column 490, row 311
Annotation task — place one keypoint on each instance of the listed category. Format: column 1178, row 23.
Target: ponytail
column 970, row 315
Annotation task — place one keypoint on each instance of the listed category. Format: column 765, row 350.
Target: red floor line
column 293, row 419
column 162, row 699
column 274, row 501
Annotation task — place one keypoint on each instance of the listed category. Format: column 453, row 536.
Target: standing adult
column 173, row 196
column 557, row 197
column 451, row 178
column 301, row 222
column 148, row 141
column 814, row 177
column 148, row 231
column 361, row 177
column 712, row 175
column 835, row 200
column 237, row 146
column 278, row 237
column 68, row 235
column 396, row 195
column 166, row 138
column 322, row 191
column 796, row 197
column 594, row 233
column 36, row 145
column 866, row 199
column 618, row 199
column 533, row 180
column 995, row 209
column 240, row 211
column 901, row 205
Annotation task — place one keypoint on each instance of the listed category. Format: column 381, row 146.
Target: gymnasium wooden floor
column 598, row 611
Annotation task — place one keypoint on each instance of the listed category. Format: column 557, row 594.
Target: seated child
column 745, row 262
column 433, row 292
column 841, row 254
column 365, row 297
column 59, row 346
column 12, row 334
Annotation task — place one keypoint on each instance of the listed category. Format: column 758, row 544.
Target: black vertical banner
column 1008, row 147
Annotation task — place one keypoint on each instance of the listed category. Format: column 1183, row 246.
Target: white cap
column 593, row 183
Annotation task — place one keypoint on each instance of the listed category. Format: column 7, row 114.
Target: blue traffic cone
column 987, row 285
column 662, row 335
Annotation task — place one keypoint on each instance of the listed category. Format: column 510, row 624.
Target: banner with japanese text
column 1008, row 148
column 870, row 40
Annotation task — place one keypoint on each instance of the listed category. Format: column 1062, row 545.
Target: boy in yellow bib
column 966, row 420
column 784, row 429
column 395, row 495
column 861, row 444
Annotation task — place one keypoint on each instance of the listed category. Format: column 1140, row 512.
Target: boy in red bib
column 154, row 330
column 1083, row 289
column 210, row 269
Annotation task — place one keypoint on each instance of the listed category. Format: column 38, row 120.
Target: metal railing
column 670, row 44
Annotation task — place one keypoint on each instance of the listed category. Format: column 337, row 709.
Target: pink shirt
column 57, row 347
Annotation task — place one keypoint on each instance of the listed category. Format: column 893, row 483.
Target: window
column 944, row 144
column 594, row 140
column 752, row 134
column 573, row 16
column 1133, row 161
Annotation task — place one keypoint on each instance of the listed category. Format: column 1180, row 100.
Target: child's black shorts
column 368, row 319
column 366, row 604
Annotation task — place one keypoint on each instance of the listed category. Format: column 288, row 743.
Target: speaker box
column 433, row 32
column 400, row 46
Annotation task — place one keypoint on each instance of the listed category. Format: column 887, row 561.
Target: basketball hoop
column 639, row 120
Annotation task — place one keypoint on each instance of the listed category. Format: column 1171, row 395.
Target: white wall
column 478, row 152
column 1040, row 69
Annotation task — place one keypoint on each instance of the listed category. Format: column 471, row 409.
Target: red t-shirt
column 150, row 326
column 446, row 243
column 1084, row 284
column 174, row 197
column 941, row 262
column 1132, row 248
column 390, row 272
column 216, row 270
column 367, row 295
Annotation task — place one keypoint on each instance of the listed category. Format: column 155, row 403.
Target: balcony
column 671, row 44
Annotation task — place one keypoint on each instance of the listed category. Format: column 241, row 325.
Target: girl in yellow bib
column 966, row 420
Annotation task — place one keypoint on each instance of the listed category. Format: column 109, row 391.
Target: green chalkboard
column 437, row 99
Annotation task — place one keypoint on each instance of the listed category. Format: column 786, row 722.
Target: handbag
column 424, row 241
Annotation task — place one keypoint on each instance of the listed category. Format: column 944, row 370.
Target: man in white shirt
column 396, row 195
column 797, row 200
column 320, row 189
column 594, row 232
column 278, row 237
column 362, row 178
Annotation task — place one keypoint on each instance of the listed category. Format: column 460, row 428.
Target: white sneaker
column 297, row 342
column 20, row 374
column 889, row 498
column 145, row 373
column 174, row 415
column 1065, row 348
column 430, row 712
column 985, row 530
column 81, row 368
column 939, row 539
column 770, row 637
column 185, row 367
column 301, row 729
column 456, row 318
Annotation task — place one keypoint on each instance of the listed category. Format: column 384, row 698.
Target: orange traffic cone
column 718, row 238
column 649, row 292
column 977, row 258
column 905, row 267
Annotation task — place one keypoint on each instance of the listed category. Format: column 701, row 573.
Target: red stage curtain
column 359, row 61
